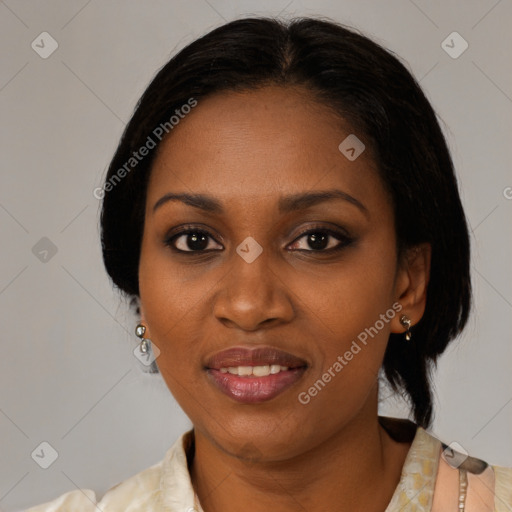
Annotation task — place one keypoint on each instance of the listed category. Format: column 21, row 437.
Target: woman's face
column 264, row 169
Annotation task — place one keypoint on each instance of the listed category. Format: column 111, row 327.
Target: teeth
column 261, row 371
column 244, row 370
column 257, row 371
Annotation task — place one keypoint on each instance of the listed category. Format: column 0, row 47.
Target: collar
column 415, row 488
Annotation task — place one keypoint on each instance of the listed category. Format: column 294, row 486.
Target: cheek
column 167, row 290
column 348, row 314
column 168, row 303
column 351, row 296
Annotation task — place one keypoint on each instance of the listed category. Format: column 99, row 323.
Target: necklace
column 463, row 487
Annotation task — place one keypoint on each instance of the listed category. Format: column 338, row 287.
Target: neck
column 359, row 458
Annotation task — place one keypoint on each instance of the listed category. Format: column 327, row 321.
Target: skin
column 246, row 150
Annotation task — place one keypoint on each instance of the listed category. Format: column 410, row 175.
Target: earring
column 406, row 322
column 140, row 330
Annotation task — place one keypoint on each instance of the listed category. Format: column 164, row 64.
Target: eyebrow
column 286, row 204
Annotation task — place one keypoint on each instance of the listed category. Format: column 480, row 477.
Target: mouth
column 254, row 375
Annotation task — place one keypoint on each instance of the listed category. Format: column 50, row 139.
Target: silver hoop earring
column 140, row 330
column 406, row 322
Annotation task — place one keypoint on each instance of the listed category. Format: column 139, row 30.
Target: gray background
column 68, row 375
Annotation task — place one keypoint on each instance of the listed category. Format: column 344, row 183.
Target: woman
column 283, row 210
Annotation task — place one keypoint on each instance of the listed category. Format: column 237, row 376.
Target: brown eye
column 191, row 240
column 321, row 240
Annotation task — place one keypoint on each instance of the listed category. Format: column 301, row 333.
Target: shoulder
column 138, row 492
column 438, row 477
column 462, row 478
column 503, row 488
column 83, row 500
column 141, row 488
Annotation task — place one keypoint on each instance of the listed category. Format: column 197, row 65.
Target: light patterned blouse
column 435, row 478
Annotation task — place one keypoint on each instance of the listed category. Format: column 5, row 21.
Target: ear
column 411, row 285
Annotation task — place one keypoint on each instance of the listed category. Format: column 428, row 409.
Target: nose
column 253, row 296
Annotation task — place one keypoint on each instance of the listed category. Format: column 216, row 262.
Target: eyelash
column 343, row 239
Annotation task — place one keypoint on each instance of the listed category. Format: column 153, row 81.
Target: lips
column 254, row 375
column 259, row 356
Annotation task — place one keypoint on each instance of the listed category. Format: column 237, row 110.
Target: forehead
column 259, row 144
